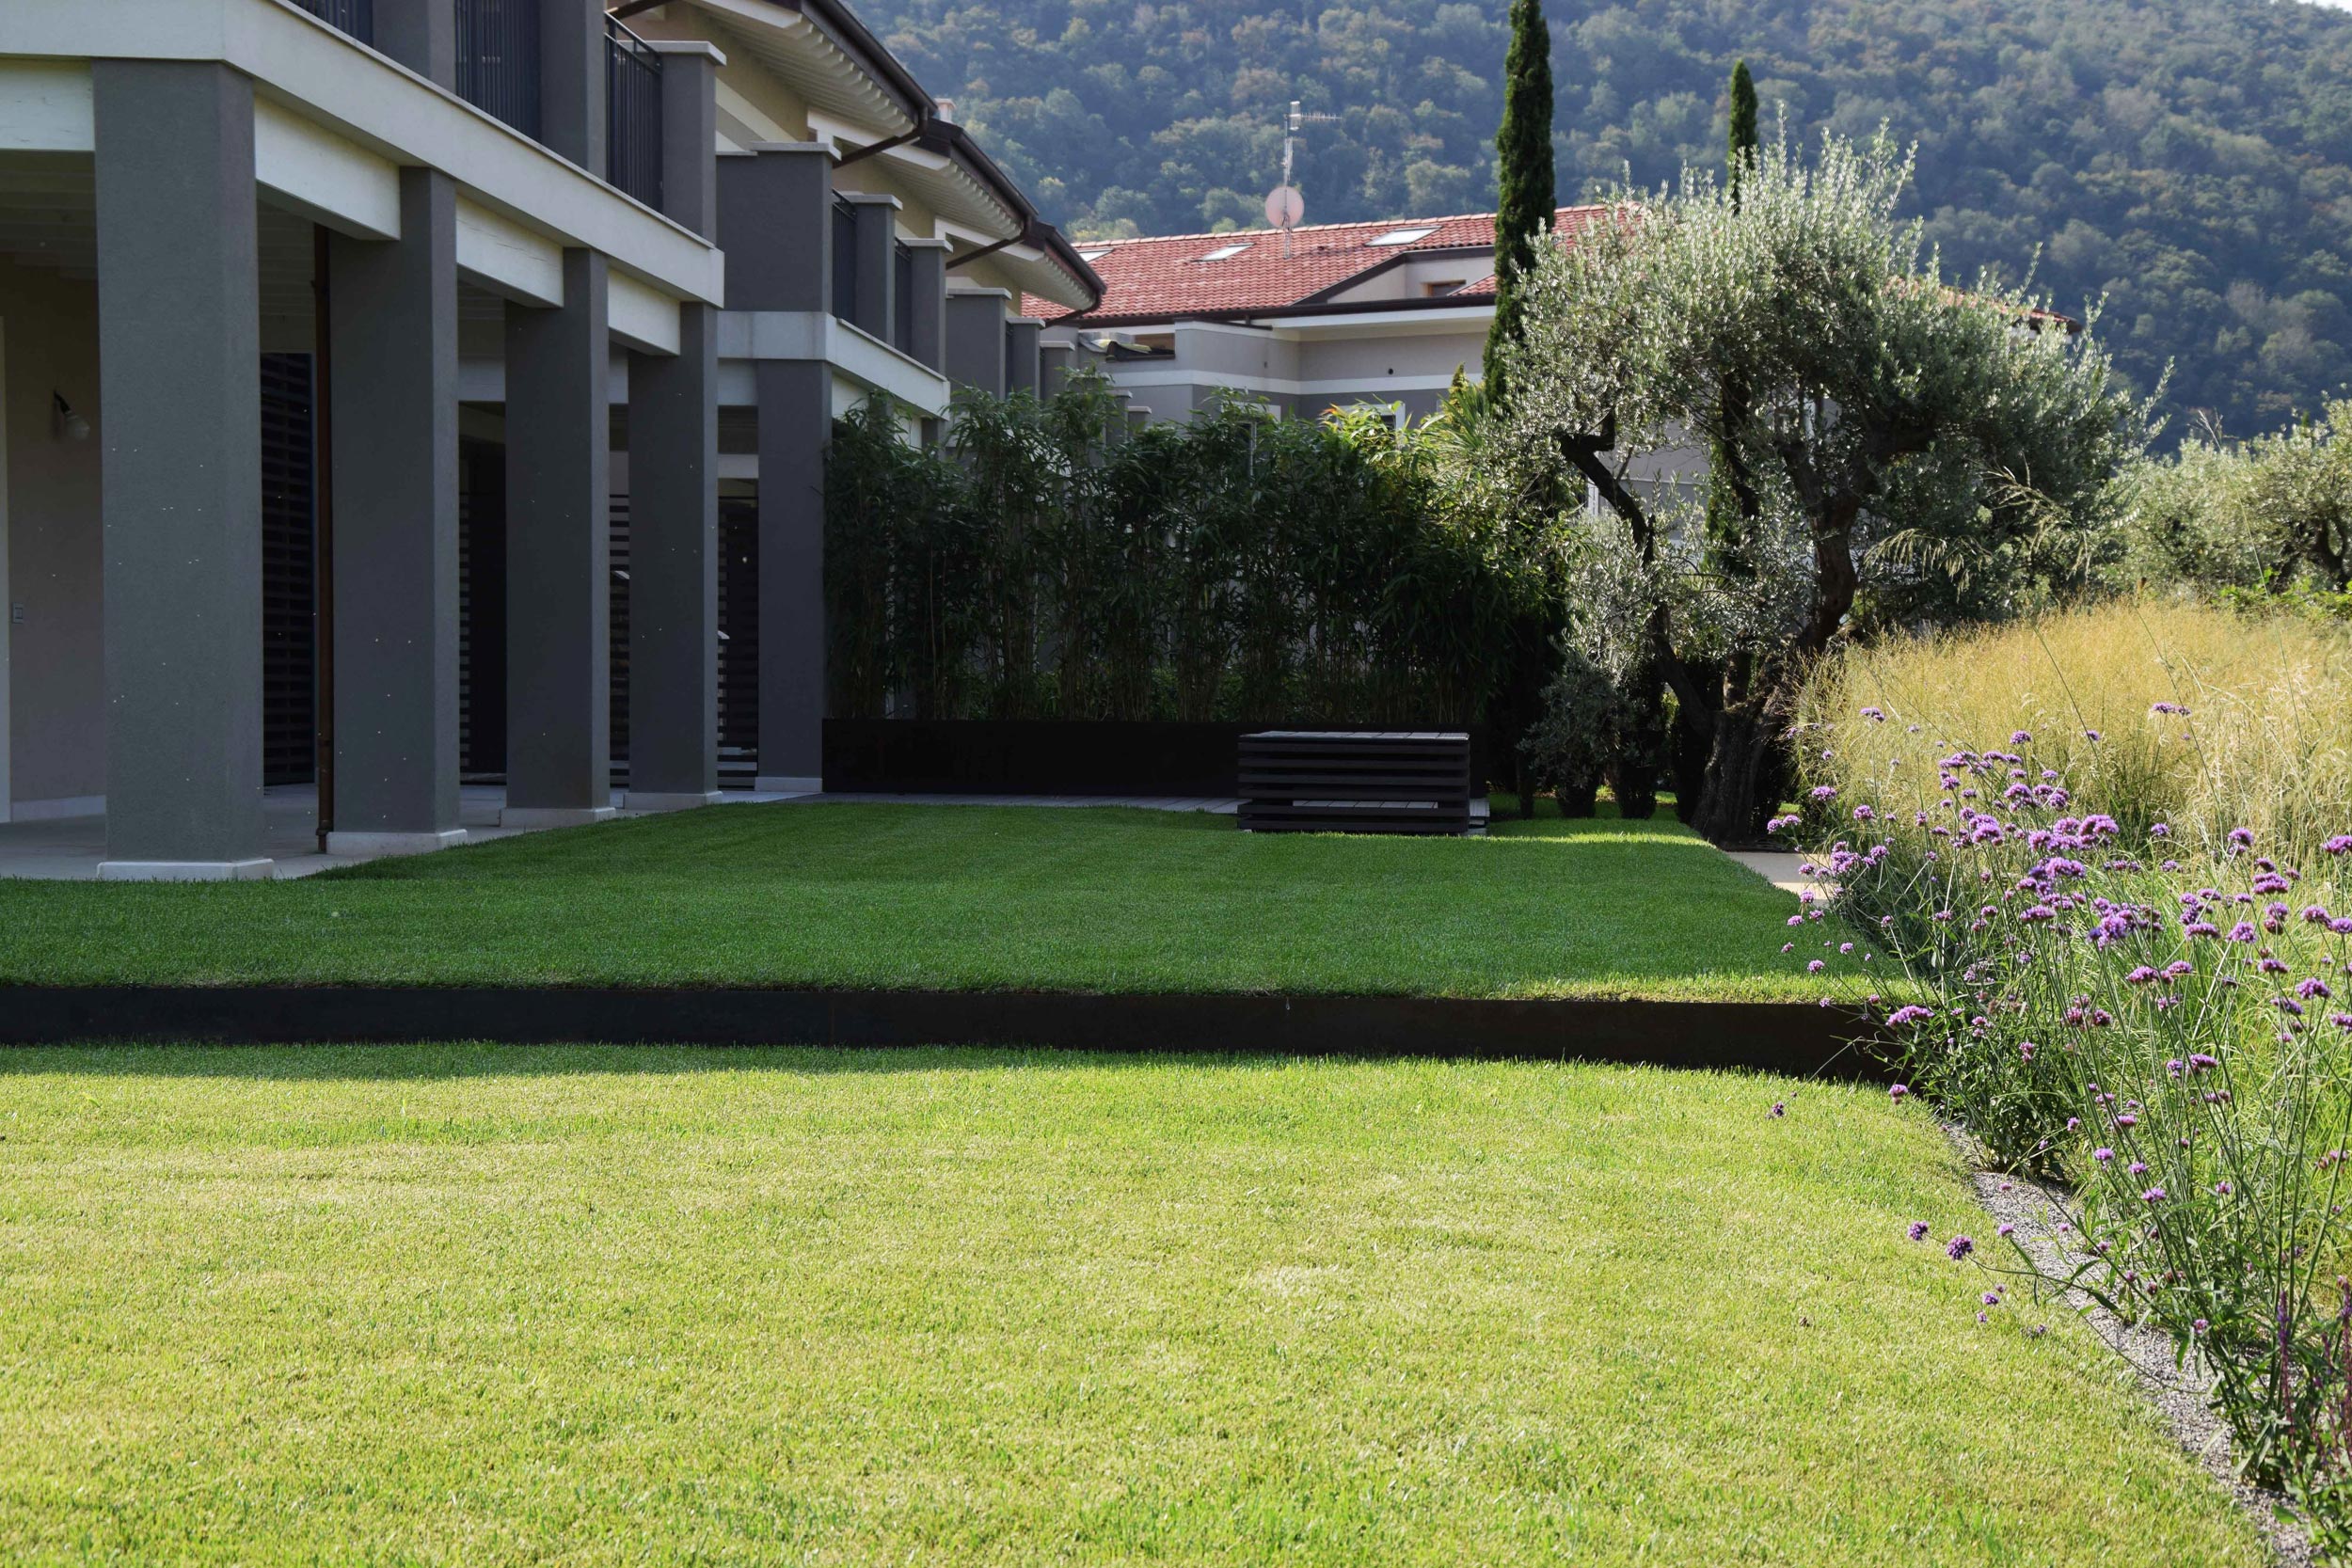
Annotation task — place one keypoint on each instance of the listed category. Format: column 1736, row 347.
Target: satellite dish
column 1284, row 207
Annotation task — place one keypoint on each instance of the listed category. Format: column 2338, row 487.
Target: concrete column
column 975, row 340
column 674, row 569
column 572, row 81
column 1056, row 362
column 776, row 220
column 1022, row 372
column 392, row 322
column 421, row 34
column 178, row 354
column 876, row 228
column 690, row 131
column 795, row 424
column 927, row 302
column 559, row 555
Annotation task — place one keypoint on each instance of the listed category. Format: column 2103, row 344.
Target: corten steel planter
column 1773, row 1037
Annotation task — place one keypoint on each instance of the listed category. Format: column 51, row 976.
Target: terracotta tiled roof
column 1183, row 275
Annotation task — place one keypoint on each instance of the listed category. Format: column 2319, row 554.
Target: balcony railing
column 355, row 17
column 901, row 298
column 844, row 260
column 632, row 127
column 498, row 59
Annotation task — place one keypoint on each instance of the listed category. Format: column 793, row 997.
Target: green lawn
column 1023, row 897
column 486, row 1306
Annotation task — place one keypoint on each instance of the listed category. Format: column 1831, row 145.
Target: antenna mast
column 1284, row 206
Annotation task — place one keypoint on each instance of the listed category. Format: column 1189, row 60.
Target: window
column 1390, row 414
column 1226, row 252
column 1441, row 287
column 1091, row 257
column 1403, row 236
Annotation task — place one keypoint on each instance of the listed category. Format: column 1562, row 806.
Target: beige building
column 1339, row 315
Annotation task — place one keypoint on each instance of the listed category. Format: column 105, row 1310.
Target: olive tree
column 1887, row 449
column 2273, row 514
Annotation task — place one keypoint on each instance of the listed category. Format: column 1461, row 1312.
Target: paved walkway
column 1779, row 867
column 68, row 848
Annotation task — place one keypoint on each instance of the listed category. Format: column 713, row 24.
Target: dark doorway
column 482, row 612
column 288, row 572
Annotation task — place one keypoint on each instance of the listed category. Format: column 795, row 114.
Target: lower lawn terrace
column 494, row 1305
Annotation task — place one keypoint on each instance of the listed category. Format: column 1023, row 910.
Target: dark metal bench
column 1356, row 782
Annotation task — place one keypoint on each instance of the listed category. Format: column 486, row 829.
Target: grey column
column 559, row 555
column 877, row 230
column 178, row 354
column 571, row 81
column 690, row 133
column 421, row 34
column 927, row 302
column 1022, row 369
column 674, row 569
column 776, row 225
column 795, row 422
column 975, row 340
column 1055, row 364
column 392, row 325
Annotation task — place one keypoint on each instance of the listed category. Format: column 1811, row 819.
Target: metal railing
column 844, row 260
column 498, row 59
column 355, row 17
column 901, row 297
column 632, row 125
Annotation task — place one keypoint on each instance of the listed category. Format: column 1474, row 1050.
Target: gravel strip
column 2179, row 1392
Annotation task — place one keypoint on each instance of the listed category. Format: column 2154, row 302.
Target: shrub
column 1575, row 740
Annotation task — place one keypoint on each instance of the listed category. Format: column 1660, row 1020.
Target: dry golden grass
column 2266, row 743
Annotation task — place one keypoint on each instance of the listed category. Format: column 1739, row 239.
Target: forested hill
column 2186, row 158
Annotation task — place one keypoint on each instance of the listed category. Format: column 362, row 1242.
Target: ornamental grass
column 2203, row 718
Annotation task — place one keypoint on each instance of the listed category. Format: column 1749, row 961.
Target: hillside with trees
column 2188, row 160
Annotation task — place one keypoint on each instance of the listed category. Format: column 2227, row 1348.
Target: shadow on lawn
column 490, row 1059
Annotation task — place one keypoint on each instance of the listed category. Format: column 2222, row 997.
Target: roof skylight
column 1093, row 255
column 1226, row 252
column 1403, row 236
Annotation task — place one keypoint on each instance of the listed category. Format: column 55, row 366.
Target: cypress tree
column 1743, row 144
column 1525, row 204
column 1726, row 527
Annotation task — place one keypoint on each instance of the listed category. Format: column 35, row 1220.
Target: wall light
column 68, row 425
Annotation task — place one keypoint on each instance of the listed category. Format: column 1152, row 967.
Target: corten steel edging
column 1787, row 1038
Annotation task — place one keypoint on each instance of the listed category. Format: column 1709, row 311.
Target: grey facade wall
column 57, row 659
column 776, row 224
column 975, row 341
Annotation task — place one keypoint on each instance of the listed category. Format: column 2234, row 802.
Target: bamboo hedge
column 1050, row 564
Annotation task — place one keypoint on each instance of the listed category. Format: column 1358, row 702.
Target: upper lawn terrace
column 960, row 897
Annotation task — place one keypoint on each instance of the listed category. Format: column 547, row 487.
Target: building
column 1335, row 315
column 375, row 385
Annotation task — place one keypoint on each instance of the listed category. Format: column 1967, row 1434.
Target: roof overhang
column 867, row 103
column 1440, row 314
